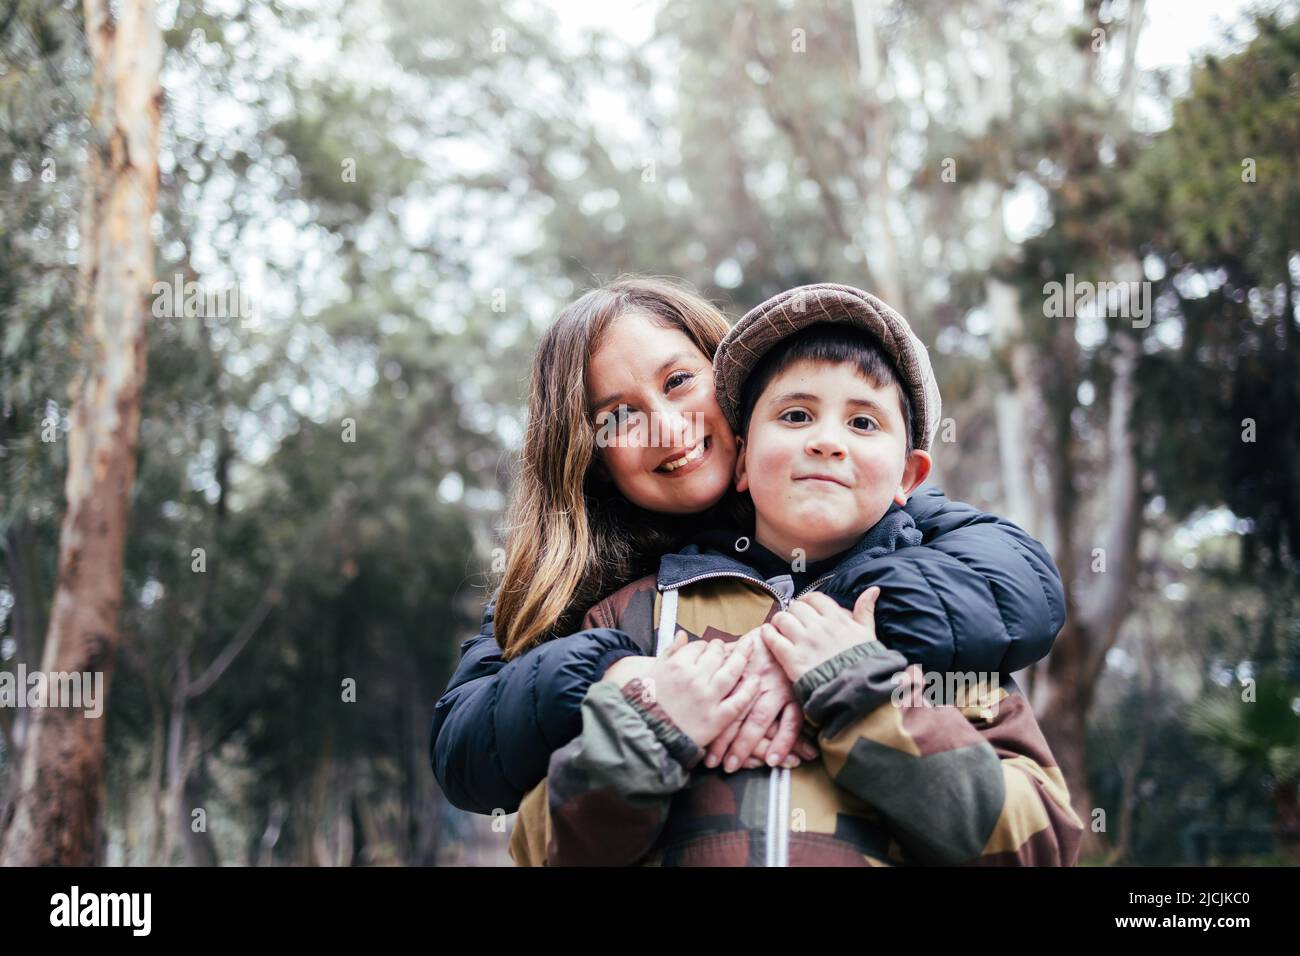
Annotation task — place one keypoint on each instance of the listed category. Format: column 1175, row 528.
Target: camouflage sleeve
column 972, row 784
column 611, row 786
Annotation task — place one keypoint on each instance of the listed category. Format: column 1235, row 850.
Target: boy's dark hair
column 833, row 342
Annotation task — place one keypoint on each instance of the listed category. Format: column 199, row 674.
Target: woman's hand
column 805, row 748
column 769, row 731
column 628, row 668
column 815, row 629
column 702, row 685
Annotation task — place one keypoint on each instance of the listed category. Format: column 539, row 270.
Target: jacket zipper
column 744, row 577
column 778, row 786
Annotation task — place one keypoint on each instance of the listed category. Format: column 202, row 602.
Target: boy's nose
column 828, row 445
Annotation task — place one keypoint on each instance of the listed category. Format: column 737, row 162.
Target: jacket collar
column 722, row 550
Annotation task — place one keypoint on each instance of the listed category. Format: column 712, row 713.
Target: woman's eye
column 865, row 422
column 678, row 378
column 616, row 414
column 785, row 417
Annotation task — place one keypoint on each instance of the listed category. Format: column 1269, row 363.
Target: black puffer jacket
column 978, row 594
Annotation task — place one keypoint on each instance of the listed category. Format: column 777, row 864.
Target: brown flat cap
column 791, row 311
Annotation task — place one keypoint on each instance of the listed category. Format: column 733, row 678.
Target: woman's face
column 660, row 434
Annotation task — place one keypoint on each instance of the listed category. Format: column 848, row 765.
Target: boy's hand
column 699, row 685
column 769, row 730
column 777, row 736
column 815, row 629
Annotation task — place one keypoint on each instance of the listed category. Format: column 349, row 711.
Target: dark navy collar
column 734, row 551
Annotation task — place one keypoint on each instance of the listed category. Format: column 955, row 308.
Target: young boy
column 834, row 407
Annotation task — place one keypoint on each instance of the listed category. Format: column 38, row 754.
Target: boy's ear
column 741, row 483
column 915, row 472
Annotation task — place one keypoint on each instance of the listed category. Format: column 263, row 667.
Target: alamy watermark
column 78, row 690
column 947, row 689
column 1129, row 300
column 181, row 299
column 639, row 430
column 130, row 910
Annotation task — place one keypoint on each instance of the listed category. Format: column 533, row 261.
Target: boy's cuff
column 850, row 684
column 828, row 669
column 675, row 740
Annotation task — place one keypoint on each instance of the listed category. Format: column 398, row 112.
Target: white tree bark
column 878, row 242
column 57, row 811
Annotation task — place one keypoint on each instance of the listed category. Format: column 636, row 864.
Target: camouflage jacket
column 971, row 782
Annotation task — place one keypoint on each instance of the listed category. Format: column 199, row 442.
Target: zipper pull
column 784, row 585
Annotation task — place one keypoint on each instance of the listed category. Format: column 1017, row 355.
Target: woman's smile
column 690, row 461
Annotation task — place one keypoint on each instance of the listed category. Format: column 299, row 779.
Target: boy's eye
column 676, row 379
column 864, row 422
column 785, row 416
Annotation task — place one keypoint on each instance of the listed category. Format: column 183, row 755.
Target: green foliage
column 42, row 103
column 1217, row 410
column 1262, row 733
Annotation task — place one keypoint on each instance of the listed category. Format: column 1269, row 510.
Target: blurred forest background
column 408, row 191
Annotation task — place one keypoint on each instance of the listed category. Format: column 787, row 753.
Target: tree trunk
column 199, row 847
column 1094, row 619
column 156, row 803
column 1128, row 76
column 1287, row 828
column 177, row 765
column 271, row 834
column 57, row 811
column 1131, row 768
column 1012, row 404
column 877, row 237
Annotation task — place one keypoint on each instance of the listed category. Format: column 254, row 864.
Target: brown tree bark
column 1095, row 615
column 1287, row 827
column 58, row 808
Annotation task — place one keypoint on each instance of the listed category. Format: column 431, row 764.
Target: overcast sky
column 1175, row 30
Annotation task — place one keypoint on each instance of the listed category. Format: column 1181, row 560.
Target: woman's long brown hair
column 571, row 537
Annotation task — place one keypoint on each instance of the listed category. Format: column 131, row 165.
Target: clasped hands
column 737, row 698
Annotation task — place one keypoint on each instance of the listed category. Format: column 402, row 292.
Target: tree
column 44, row 106
column 56, row 813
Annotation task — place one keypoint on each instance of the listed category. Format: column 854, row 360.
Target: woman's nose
column 677, row 429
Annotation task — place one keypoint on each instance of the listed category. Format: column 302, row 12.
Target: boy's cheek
column 769, row 461
column 878, row 481
column 879, row 470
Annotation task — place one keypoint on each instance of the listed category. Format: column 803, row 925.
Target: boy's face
column 824, row 458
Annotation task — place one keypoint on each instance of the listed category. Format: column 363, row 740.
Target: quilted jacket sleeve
column 969, row 782
column 978, row 594
column 610, row 789
column 497, row 723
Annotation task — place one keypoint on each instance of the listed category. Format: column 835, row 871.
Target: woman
column 589, row 516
